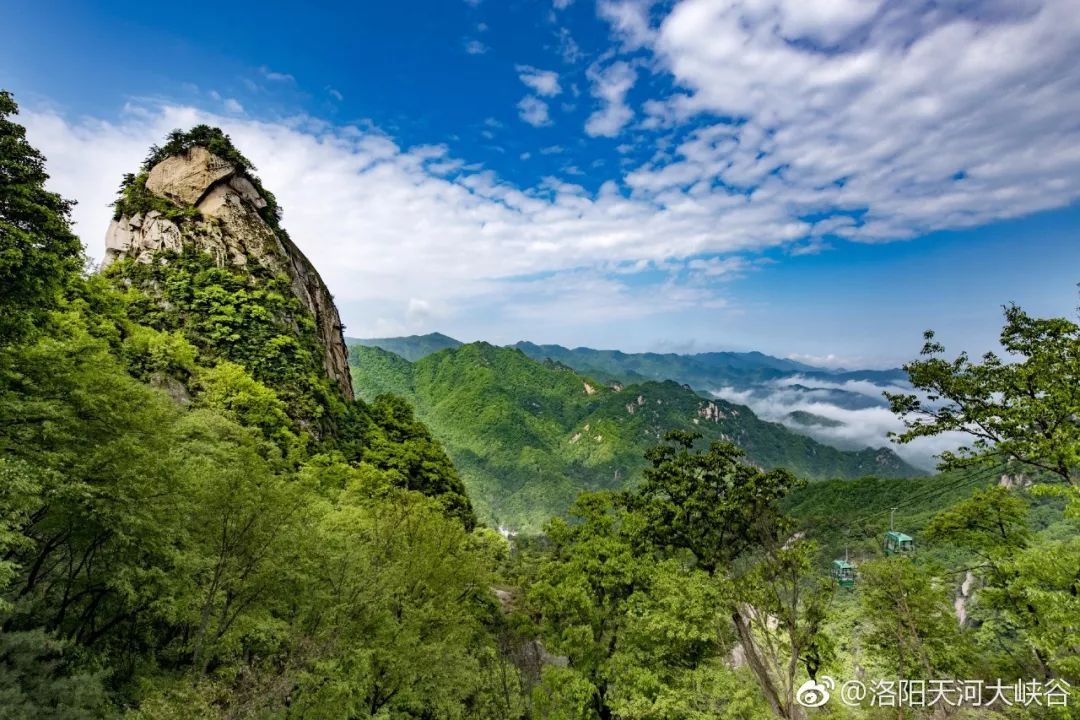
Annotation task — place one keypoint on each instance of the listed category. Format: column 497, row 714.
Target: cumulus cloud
column 908, row 117
column 534, row 111
column 544, row 83
column 610, row 85
column 629, row 21
column 790, row 123
column 387, row 224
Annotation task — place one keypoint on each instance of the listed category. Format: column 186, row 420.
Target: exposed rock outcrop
column 184, row 179
column 220, row 207
column 963, row 597
column 710, row 411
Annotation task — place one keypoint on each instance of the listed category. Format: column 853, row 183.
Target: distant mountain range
column 528, row 431
column 412, row 347
column 752, row 372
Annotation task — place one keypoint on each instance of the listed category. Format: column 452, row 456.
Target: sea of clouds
column 858, row 405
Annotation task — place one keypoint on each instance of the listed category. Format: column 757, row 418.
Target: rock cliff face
column 220, row 207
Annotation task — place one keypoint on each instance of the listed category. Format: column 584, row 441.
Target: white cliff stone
column 139, row 238
column 245, row 189
column 185, row 178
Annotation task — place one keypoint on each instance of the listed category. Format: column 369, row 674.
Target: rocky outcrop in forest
column 199, row 198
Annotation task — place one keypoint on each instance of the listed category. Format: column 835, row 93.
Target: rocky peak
column 196, row 197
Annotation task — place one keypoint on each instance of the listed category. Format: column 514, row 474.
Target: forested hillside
column 199, row 520
column 195, row 520
column 528, row 436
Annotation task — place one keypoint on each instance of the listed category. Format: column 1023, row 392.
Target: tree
column 173, row 540
column 40, row 677
column 672, row 658
column 394, row 610
column 712, row 504
column 404, row 447
column 779, row 617
column 38, row 252
column 721, row 510
column 1020, row 410
column 1026, row 589
column 581, row 595
column 911, row 627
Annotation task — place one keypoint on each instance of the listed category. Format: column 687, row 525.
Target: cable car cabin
column 844, row 573
column 897, row 543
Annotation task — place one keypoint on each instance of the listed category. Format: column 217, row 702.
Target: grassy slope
column 528, row 436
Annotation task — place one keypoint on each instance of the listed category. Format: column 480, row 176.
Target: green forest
column 196, row 522
column 527, row 435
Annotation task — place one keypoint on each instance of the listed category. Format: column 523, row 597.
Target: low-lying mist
column 849, row 415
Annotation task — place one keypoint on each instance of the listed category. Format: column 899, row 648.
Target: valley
column 528, row 433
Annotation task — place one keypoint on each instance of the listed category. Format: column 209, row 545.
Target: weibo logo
column 815, row 694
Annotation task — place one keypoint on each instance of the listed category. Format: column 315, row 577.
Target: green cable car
column 897, row 543
column 844, row 573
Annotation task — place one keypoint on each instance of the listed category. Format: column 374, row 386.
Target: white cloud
column 534, row 111
column 335, row 93
column 877, row 125
column 562, row 4
column 592, row 298
column 544, row 83
column 860, row 387
column 475, row 47
column 610, row 86
column 386, row 224
column 830, row 360
column 912, row 116
column 629, row 21
column 569, row 50
column 233, row 105
column 273, row 76
column 720, row 267
column 421, row 313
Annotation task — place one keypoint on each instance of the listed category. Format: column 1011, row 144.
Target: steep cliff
column 198, row 193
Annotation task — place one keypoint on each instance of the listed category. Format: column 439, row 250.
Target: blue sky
column 821, row 179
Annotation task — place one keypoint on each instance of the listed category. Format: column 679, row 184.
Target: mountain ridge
column 415, row 347
column 539, row 432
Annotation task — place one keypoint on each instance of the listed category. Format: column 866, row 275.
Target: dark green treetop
column 38, row 251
